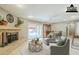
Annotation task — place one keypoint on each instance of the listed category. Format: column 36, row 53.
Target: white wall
column 3, row 14
column 23, row 34
column 59, row 27
column 23, row 27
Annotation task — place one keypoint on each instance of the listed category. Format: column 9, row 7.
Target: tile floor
column 21, row 48
column 11, row 47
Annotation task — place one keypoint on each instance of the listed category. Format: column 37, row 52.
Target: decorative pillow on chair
column 61, row 42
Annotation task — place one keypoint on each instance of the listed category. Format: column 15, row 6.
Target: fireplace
column 9, row 37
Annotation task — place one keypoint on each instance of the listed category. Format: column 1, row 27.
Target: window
column 77, row 28
column 34, row 31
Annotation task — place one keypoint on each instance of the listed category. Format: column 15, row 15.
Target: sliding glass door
column 77, row 28
column 34, row 30
column 75, row 40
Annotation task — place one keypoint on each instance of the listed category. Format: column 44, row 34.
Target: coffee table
column 33, row 47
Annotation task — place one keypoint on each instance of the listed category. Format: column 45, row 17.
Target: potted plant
column 19, row 22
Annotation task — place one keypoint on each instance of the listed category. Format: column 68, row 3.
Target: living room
column 37, row 29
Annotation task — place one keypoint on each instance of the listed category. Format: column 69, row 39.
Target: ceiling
column 42, row 12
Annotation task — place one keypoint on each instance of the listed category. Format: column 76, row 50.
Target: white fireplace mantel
column 7, row 29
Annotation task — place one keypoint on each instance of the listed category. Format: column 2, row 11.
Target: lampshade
column 71, row 8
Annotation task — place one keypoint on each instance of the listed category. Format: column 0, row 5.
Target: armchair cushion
column 61, row 42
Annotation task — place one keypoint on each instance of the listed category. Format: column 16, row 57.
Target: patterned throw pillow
column 61, row 42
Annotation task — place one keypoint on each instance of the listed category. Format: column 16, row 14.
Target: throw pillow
column 61, row 42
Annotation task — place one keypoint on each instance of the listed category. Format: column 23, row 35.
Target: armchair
column 60, row 50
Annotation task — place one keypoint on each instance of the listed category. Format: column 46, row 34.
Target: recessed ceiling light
column 19, row 5
column 30, row 16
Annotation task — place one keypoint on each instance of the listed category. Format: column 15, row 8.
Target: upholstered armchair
column 60, row 50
